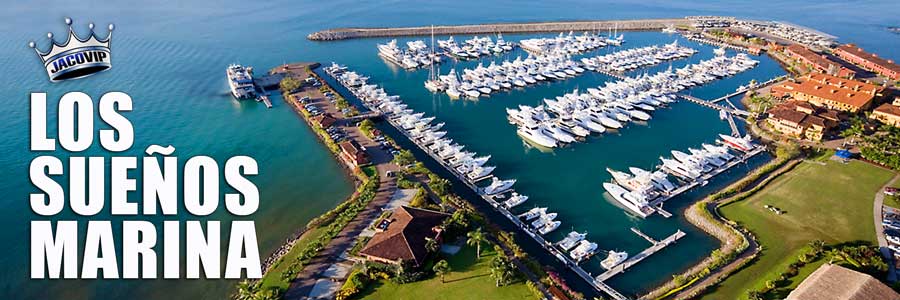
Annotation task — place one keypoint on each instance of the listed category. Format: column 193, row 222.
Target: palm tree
column 857, row 129
column 754, row 295
column 441, row 268
column 246, row 290
column 501, row 269
column 431, row 245
column 817, row 246
column 476, row 237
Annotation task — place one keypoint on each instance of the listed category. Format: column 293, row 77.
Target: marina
column 643, row 192
column 536, row 222
column 612, row 106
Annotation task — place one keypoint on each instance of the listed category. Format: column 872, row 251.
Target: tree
column 289, row 84
column 268, row 294
column 857, row 128
column 817, row 246
column 420, row 199
column 366, row 126
column 246, row 290
column 754, row 295
column 405, row 157
column 475, row 238
column 441, row 268
column 439, row 185
column 502, row 270
column 432, row 245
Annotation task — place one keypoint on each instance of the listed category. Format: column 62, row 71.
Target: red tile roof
column 889, row 109
column 404, row 238
column 875, row 59
column 848, row 91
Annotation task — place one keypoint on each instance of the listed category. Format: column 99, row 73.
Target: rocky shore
column 600, row 25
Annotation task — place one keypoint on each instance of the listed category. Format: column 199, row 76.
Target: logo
column 76, row 57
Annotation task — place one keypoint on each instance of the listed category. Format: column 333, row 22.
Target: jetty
column 529, row 27
column 703, row 179
column 596, row 282
column 655, row 247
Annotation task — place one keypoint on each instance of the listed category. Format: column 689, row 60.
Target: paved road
column 331, row 253
column 879, row 232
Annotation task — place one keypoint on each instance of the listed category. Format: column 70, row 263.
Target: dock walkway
column 656, row 247
column 658, row 202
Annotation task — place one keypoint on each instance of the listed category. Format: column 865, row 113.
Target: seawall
column 563, row 26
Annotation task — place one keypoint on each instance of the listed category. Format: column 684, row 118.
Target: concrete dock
column 656, row 247
column 564, row 26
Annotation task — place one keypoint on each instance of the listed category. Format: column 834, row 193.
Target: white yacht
column 627, row 199
column 498, row 186
column 240, row 81
column 533, row 213
column 550, row 227
column 532, row 132
column 514, row 200
column 571, row 240
column 742, row 144
column 614, row 259
column 584, row 250
column 544, row 219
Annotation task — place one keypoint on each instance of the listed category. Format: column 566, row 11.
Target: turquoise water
column 170, row 57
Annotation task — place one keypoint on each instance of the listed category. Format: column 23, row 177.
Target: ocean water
column 170, row 58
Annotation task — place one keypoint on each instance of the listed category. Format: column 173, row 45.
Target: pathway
column 318, row 267
column 879, row 232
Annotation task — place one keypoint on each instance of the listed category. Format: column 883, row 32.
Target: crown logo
column 76, row 57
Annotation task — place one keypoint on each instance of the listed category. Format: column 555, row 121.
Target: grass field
column 273, row 277
column 824, row 200
column 468, row 279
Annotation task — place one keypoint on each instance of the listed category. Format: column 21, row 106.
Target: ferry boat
column 614, row 259
column 240, row 81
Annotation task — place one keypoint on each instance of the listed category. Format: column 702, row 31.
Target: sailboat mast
column 431, row 75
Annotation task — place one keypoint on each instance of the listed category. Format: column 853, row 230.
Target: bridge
column 716, row 106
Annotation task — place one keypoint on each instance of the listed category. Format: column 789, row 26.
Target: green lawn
column 272, row 278
column 831, row 202
column 468, row 279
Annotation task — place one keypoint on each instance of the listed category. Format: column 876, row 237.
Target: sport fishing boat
column 584, row 250
column 498, row 186
column 544, row 219
column 533, row 213
column 515, row 200
column 240, row 81
column 614, row 259
column 571, row 240
column 550, row 227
